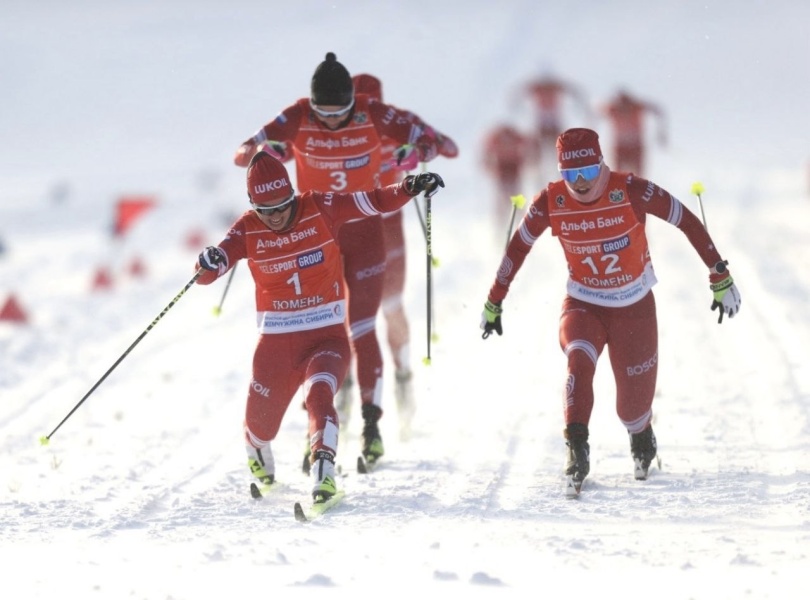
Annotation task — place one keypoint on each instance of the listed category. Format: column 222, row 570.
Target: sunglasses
column 276, row 208
column 588, row 173
column 331, row 114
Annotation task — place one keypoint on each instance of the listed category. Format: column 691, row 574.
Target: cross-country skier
column 599, row 217
column 335, row 138
column 289, row 242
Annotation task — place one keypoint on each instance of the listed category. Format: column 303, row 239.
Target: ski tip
column 366, row 464
column 362, row 467
column 300, row 516
column 258, row 492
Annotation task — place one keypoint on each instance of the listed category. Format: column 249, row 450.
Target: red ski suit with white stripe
column 301, row 307
column 610, row 300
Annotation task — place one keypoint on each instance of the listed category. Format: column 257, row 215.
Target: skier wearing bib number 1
column 289, row 242
column 335, row 137
column 599, row 216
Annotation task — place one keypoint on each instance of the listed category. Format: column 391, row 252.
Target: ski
column 259, row 491
column 316, row 509
column 365, row 465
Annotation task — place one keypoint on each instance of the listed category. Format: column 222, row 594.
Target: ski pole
column 421, row 219
column 424, row 228
column 518, row 202
column 45, row 439
column 218, row 309
column 429, row 245
column 697, row 190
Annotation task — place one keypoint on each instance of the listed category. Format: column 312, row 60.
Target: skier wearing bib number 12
column 335, row 137
column 599, row 216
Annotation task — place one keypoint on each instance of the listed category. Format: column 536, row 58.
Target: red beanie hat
column 267, row 180
column 578, row 148
column 368, row 84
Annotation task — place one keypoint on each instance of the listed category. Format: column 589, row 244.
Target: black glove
column 424, row 182
column 491, row 319
column 211, row 258
column 407, row 157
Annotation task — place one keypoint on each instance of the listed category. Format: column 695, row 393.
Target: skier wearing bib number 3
column 335, row 138
column 599, row 216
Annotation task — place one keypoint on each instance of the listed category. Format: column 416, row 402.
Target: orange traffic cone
column 136, row 268
column 102, row 280
column 12, row 311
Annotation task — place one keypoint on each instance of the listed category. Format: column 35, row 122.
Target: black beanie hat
column 331, row 83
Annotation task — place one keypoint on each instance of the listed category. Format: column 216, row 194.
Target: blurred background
column 103, row 98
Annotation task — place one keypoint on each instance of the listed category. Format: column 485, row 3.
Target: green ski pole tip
column 426, row 361
column 217, row 310
column 697, row 188
column 519, row 201
column 44, row 440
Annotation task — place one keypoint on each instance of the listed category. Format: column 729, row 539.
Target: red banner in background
column 128, row 209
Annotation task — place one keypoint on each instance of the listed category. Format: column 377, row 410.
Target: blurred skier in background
column 289, row 241
column 626, row 115
column 506, row 153
column 335, row 138
column 599, row 217
column 548, row 95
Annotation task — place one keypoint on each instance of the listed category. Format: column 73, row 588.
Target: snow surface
column 142, row 493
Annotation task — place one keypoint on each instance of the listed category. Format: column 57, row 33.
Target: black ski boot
column 372, row 441
column 644, row 449
column 578, row 463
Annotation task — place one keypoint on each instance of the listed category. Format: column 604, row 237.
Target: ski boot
column 261, row 464
column 578, row 463
column 323, row 476
column 372, row 441
column 644, row 449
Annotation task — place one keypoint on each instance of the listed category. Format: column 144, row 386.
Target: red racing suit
column 609, row 300
column 301, row 299
column 345, row 160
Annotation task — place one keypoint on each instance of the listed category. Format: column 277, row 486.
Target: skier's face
column 276, row 216
column 332, row 116
column 583, row 179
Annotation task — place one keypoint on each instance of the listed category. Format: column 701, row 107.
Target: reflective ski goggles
column 588, row 173
column 276, row 208
column 324, row 114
